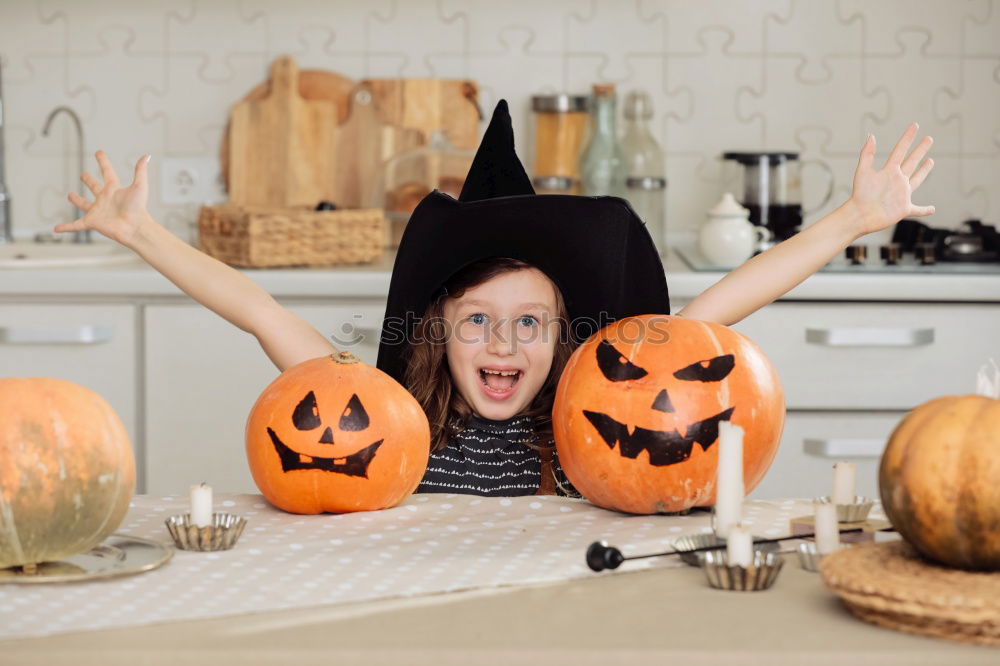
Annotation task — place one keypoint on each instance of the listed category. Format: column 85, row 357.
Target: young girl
column 490, row 294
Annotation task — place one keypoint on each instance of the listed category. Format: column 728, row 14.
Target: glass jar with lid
column 559, row 126
column 647, row 195
column 645, row 183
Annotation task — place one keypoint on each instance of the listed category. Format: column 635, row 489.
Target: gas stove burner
column 968, row 245
column 972, row 242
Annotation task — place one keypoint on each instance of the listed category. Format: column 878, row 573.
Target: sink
column 25, row 254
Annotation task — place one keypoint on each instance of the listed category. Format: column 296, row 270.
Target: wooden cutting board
column 378, row 119
column 281, row 147
column 364, row 143
column 392, row 116
column 429, row 105
column 314, row 84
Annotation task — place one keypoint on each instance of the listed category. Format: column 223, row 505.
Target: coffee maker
column 771, row 188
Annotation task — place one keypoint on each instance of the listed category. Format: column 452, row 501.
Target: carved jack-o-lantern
column 637, row 412
column 333, row 434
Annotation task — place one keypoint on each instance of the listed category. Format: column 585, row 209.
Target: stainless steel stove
column 972, row 249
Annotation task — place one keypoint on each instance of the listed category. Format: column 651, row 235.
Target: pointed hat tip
column 496, row 171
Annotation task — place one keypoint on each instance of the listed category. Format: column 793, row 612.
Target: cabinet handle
column 55, row 335
column 844, row 448
column 870, row 337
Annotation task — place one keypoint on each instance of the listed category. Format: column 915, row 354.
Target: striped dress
column 490, row 458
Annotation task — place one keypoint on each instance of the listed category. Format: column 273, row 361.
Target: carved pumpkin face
column 331, row 435
column 637, row 412
column 319, row 455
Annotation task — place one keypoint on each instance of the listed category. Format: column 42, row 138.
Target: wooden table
column 662, row 616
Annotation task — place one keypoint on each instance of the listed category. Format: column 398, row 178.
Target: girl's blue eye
column 528, row 318
column 477, row 318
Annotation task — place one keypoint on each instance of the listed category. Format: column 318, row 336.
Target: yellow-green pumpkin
column 939, row 479
column 67, row 472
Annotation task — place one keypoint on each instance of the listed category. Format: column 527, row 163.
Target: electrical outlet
column 191, row 180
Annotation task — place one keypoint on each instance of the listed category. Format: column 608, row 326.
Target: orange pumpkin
column 637, row 411
column 333, row 434
column 939, row 479
column 67, row 472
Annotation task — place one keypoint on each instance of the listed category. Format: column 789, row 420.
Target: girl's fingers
column 141, row 170
column 902, row 146
column 107, row 171
column 79, row 201
column 921, row 211
column 76, row 225
column 91, row 183
column 917, row 179
column 911, row 162
column 867, row 153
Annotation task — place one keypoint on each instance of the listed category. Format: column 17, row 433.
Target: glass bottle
column 645, row 184
column 601, row 165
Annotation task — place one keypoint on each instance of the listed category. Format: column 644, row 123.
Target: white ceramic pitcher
column 728, row 238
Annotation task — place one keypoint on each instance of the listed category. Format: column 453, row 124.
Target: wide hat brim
column 595, row 249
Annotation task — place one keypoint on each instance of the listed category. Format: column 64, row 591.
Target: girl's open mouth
column 499, row 384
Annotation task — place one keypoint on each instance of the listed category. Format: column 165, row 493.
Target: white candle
column 201, row 505
column 827, row 531
column 739, row 546
column 729, row 478
column 844, row 481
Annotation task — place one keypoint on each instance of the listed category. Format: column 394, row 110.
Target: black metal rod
column 601, row 556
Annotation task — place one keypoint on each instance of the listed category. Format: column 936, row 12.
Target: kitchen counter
column 128, row 281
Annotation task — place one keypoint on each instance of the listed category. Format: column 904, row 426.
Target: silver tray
column 118, row 555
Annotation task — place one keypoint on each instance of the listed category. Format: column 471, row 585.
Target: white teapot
column 728, row 238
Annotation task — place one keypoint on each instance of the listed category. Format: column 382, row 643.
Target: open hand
column 117, row 212
column 883, row 197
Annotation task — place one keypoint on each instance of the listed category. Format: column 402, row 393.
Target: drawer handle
column 55, row 335
column 844, row 448
column 870, row 337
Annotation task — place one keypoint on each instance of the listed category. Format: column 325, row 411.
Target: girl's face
column 503, row 335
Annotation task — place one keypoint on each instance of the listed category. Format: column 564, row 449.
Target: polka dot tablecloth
column 429, row 544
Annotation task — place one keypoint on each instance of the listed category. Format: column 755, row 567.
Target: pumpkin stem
column 345, row 357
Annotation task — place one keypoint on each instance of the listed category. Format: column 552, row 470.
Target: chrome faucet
column 78, row 236
column 6, row 229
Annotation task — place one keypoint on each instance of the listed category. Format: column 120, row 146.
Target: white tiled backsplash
column 813, row 76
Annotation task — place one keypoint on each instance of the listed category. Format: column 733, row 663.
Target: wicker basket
column 259, row 237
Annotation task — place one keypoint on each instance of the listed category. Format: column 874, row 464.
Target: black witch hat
column 595, row 249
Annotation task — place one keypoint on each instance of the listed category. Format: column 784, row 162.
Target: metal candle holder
column 809, row 556
column 854, row 512
column 222, row 534
column 760, row 575
column 689, row 545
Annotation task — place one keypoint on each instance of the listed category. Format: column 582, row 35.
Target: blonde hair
column 429, row 380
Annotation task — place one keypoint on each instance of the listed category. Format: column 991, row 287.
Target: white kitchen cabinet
column 851, row 371
column 202, row 377
column 874, row 355
column 93, row 345
column 813, row 441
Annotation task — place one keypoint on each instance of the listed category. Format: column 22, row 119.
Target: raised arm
column 880, row 198
column 120, row 214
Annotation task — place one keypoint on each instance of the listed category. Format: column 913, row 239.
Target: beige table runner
column 429, row 544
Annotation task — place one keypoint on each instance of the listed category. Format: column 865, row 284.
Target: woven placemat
column 891, row 585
